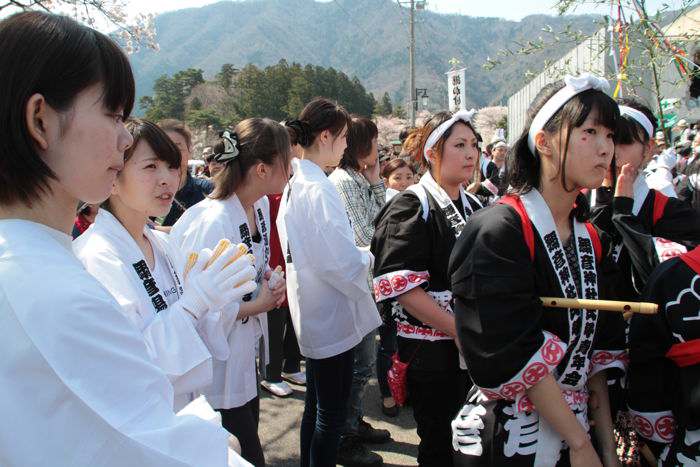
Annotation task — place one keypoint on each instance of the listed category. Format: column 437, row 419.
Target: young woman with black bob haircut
column 412, row 243
column 534, row 367
column 141, row 269
column 256, row 155
column 329, row 299
column 84, row 390
column 648, row 226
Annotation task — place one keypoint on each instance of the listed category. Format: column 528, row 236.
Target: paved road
column 280, row 420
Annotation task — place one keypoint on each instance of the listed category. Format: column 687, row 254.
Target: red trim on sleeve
column 692, row 259
column 660, row 201
column 685, row 353
column 516, row 203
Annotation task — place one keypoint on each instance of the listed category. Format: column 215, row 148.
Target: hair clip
column 231, row 147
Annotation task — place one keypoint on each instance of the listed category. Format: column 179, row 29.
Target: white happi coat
column 330, row 303
column 77, row 387
column 111, row 255
column 202, row 226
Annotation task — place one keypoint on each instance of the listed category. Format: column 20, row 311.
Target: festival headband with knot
column 302, row 131
column 573, row 85
column 462, row 115
column 232, row 147
column 640, row 118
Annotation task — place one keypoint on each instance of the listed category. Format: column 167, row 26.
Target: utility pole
column 413, row 99
column 412, row 62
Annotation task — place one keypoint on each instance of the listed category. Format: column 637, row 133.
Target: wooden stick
column 220, row 248
column 241, row 250
column 191, row 260
column 602, row 305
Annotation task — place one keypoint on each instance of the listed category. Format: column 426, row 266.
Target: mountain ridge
column 363, row 38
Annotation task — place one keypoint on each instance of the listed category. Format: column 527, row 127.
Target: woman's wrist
column 579, row 441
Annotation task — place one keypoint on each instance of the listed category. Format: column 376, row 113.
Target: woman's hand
column 278, row 285
column 625, row 182
column 371, row 172
column 584, row 456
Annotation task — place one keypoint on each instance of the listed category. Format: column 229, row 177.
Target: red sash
column 516, row 203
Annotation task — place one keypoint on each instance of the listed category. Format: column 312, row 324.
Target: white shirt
column 202, row 226
column 329, row 301
column 110, row 254
column 76, row 382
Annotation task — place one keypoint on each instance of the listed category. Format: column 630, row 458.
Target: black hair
column 360, row 135
column 150, row 133
column 171, row 125
column 431, row 125
column 259, row 140
column 523, row 167
column 317, row 116
column 58, row 58
column 630, row 130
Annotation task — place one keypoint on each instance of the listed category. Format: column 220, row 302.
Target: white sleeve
column 329, row 244
column 170, row 336
column 116, row 406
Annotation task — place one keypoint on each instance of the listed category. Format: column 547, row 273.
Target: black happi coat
column 677, row 222
column 504, row 331
column 412, row 252
column 664, row 395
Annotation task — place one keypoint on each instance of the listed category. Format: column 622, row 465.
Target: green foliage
column 399, row 112
column 384, row 107
column 503, row 123
column 169, row 95
column 203, row 118
column 279, row 92
column 226, row 75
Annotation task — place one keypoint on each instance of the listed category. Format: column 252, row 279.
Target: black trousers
column 435, row 397
column 242, row 422
column 284, row 349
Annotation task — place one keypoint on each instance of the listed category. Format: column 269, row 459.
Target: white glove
column 217, row 286
column 667, row 159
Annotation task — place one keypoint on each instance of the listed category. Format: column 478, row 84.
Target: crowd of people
column 139, row 339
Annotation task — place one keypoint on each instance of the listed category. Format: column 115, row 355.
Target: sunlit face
column 499, row 155
column 279, row 175
column 338, row 146
column 88, row 152
column 635, row 154
column 185, row 151
column 460, row 153
column 372, row 157
column 400, row 179
column 590, row 152
column 147, row 184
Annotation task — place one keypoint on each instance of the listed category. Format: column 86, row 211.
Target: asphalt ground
column 280, row 419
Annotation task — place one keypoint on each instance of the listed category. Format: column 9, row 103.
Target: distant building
column 686, row 30
column 593, row 55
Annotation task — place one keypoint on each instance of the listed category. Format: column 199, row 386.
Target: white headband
column 639, row 117
column 462, row 115
column 573, row 85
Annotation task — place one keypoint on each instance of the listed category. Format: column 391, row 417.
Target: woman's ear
column 37, row 115
column 543, row 144
column 261, row 170
column 325, row 137
column 432, row 156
